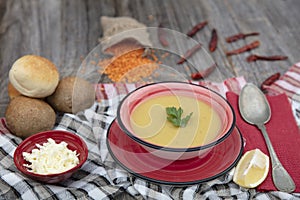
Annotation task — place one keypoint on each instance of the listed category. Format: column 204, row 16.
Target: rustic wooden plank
column 58, row 30
column 65, row 31
column 264, row 18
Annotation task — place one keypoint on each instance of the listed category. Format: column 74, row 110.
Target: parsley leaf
column 174, row 116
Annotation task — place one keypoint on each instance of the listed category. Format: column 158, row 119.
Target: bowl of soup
column 176, row 120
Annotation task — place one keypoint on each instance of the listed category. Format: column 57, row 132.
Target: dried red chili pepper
column 213, row 41
column 204, row 73
column 189, row 53
column 270, row 80
column 197, row 28
column 245, row 48
column 240, row 36
column 255, row 57
column 162, row 36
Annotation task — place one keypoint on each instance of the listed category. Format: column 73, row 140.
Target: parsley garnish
column 174, row 116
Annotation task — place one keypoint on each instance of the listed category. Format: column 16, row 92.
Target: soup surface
column 149, row 121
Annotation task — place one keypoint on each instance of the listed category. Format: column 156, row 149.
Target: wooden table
column 66, row 31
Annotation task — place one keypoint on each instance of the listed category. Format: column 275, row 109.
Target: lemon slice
column 252, row 169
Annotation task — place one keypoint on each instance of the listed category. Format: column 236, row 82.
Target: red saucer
column 143, row 164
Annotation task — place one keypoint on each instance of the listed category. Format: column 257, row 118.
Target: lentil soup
column 149, row 122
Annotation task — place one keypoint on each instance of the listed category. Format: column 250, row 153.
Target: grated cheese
column 51, row 158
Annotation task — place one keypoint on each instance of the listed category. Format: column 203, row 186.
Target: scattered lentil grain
column 128, row 64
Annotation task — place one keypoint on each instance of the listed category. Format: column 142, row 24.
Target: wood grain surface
column 66, row 31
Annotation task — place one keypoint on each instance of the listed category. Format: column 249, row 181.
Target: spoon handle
column 281, row 178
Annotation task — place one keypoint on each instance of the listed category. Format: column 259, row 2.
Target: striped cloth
column 289, row 83
column 100, row 177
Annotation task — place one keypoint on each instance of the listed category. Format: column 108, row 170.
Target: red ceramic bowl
column 74, row 143
column 203, row 94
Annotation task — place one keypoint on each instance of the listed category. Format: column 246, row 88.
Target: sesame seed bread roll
column 34, row 76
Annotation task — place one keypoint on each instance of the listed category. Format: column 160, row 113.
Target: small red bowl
column 74, row 143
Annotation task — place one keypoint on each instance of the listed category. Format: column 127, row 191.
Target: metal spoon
column 255, row 110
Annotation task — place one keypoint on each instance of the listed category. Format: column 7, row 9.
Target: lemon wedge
column 252, row 169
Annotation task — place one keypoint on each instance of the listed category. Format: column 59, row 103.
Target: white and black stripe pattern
column 101, row 177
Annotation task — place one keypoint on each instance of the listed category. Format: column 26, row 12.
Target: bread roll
column 73, row 94
column 12, row 91
column 34, row 76
column 26, row 116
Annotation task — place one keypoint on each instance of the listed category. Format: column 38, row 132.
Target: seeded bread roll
column 26, row 116
column 34, row 76
column 73, row 94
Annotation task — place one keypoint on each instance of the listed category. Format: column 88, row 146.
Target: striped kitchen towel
column 101, row 177
column 289, row 83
